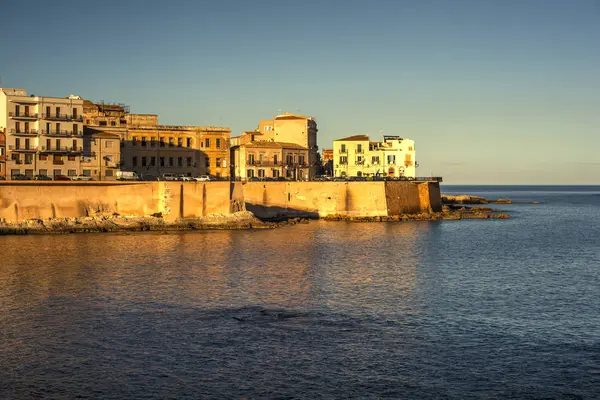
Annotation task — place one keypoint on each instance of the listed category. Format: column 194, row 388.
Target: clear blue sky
column 503, row 91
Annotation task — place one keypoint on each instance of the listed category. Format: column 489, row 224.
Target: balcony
column 62, row 117
column 17, row 161
column 55, row 162
column 61, row 149
column 26, row 149
column 360, row 162
column 264, row 163
column 24, row 116
column 343, row 151
column 31, row 132
column 359, row 151
column 60, row 133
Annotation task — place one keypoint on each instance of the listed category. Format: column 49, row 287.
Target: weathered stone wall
column 26, row 200
column 174, row 200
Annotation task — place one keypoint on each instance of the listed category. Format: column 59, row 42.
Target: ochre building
column 151, row 150
column 260, row 159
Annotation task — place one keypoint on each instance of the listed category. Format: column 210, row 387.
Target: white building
column 44, row 135
column 394, row 157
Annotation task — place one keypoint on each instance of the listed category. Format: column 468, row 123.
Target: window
column 134, row 161
column 218, row 162
column 26, row 126
column 75, row 129
column 143, row 161
column 152, row 161
column 57, row 172
column 57, row 160
column 180, row 161
column 359, row 160
column 375, row 160
column 1, row 151
column 391, row 159
column 410, row 148
column 43, row 157
column 152, row 142
column 275, row 173
column 113, row 123
column 250, row 158
column 134, row 141
column 143, row 141
column 261, row 173
column 14, row 172
column 207, row 162
column 123, row 122
column 359, row 148
column 87, row 172
column 17, row 110
column 43, row 172
column 75, row 144
column 301, row 159
column 179, row 142
column 189, row 161
column 28, row 158
column 58, row 128
column 72, row 172
column 275, row 159
column 48, row 128
column 71, row 158
column 188, row 142
column 207, row 142
column 171, row 142
column 102, row 123
column 17, row 127
column 343, row 160
column 162, row 161
column 108, row 144
column 29, row 173
column 108, row 172
column 87, row 121
column 343, row 148
column 122, row 142
column 218, row 143
column 162, row 142
column 250, row 173
column 17, row 143
column 57, row 112
column 74, row 113
column 171, row 163
column 27, row 110
column 48, row 112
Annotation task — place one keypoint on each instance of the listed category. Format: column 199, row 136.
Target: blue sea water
column 422, row 309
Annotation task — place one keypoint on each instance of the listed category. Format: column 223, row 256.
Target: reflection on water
column 292, row 267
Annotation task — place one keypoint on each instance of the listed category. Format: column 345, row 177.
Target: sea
column 472, row 309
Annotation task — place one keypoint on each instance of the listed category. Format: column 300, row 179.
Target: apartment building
column 358, row 156
column 260, row 159
column 288, row 128
column 150, row 149
column 44, row 135
column 327, row 161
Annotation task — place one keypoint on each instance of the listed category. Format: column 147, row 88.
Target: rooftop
column 355, row 138
column 274, row 145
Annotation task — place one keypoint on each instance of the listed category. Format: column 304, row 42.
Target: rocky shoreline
column 454, row 208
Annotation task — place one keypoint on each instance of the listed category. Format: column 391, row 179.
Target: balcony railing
column 63, row 117
column 343, row 151
column 61, row 133
column 55, row 162
column 360, row 162
column 361, row 151
column 17, row 161
column 14, row 115
column 31, row 132
column 61, row 149
column 264, row 163
column 26, row 149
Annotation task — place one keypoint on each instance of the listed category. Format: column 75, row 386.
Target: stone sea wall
column 20, row 201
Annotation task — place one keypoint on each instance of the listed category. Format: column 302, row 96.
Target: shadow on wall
column 276, row 212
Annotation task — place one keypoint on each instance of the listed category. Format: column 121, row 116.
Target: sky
column 492, row 91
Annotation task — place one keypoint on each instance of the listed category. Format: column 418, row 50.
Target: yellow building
column 44, row 135
column 358, row 156
column 150, row 149
column 288, row 128
column 262, row 159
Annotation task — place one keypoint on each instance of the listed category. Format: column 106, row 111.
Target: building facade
column 150, row 149
column 44, row 135
column 101, row 156
column 260, row 159
column 394, row 157
column 288, row 128
column 327, row 161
